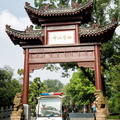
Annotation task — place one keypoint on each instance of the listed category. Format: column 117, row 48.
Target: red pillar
column 26, row 77
column 98, row 79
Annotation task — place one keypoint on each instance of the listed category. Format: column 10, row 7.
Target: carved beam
column 33, row 67
column 90, row 65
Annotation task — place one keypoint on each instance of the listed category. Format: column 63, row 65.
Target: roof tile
column 85, row 33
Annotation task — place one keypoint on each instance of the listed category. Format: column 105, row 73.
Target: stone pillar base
column 16, row 118
column 101, row 117
column 27, row 112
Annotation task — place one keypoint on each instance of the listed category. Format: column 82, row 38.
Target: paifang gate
column 61, row 39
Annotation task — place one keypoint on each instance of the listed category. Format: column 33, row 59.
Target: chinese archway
column 61, row 39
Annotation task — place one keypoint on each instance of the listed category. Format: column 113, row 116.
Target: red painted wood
column 77, row 34
column 61, row 54
column 98, row 79
column 26, row 77
column 61, row 49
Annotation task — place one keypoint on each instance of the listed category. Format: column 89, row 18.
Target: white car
column 49, row 107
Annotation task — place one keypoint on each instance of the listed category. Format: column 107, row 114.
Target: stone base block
column 16, row 118
column 101, row 117
column 27, row 112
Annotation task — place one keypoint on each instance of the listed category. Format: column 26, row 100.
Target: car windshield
column 49, row 107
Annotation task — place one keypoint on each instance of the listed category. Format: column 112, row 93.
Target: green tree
column 113, row 84
column 36, row 87
column 8, row 86
column 53, row 85
column 53, row 3
column 20, row 71
column 66, row 100
column 80, row 89
column 6, row 73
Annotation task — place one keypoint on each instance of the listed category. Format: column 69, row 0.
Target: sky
column 12, row 13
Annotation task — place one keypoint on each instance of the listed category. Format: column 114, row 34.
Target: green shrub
column 113, row 117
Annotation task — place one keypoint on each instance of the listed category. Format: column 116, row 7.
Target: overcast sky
column 12, row 12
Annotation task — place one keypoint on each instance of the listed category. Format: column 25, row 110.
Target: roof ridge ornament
column 27, row 4
column 29, row 29
column 7, row 26
column 74, row 4
column 46, row 7
column 95, row 25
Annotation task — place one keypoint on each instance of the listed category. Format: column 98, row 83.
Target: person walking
column 94, row 109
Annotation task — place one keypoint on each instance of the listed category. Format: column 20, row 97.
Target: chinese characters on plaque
column 61, row 37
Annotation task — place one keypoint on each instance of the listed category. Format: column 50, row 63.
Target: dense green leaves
column 8, row 86
column 6, row 73
column 110, row 51
column 113, row 84
column 53, row 85
column 36, row 87
column 80, row 89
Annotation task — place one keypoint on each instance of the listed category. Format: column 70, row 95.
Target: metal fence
column 5, row 112
column 81, row 116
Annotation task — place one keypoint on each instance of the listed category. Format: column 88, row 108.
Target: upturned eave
column 39, row 16
column 96, row 33
column 26, row 37
column 90, row 34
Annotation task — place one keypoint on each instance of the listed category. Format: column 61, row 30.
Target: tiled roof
column 81, row 13
column 95, row 31
column 59, row 11
column 97, row 34
column 87, row 34
column 33, row 36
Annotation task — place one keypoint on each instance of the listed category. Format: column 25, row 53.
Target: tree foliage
column 8, row 86
column 113, row 85
column 80, row 89
column 110, row 51
column 20, row 71
column 53, row 85
column 36, row 87
column 6, row 73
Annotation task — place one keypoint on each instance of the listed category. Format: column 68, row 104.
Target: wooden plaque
column 61, row 35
